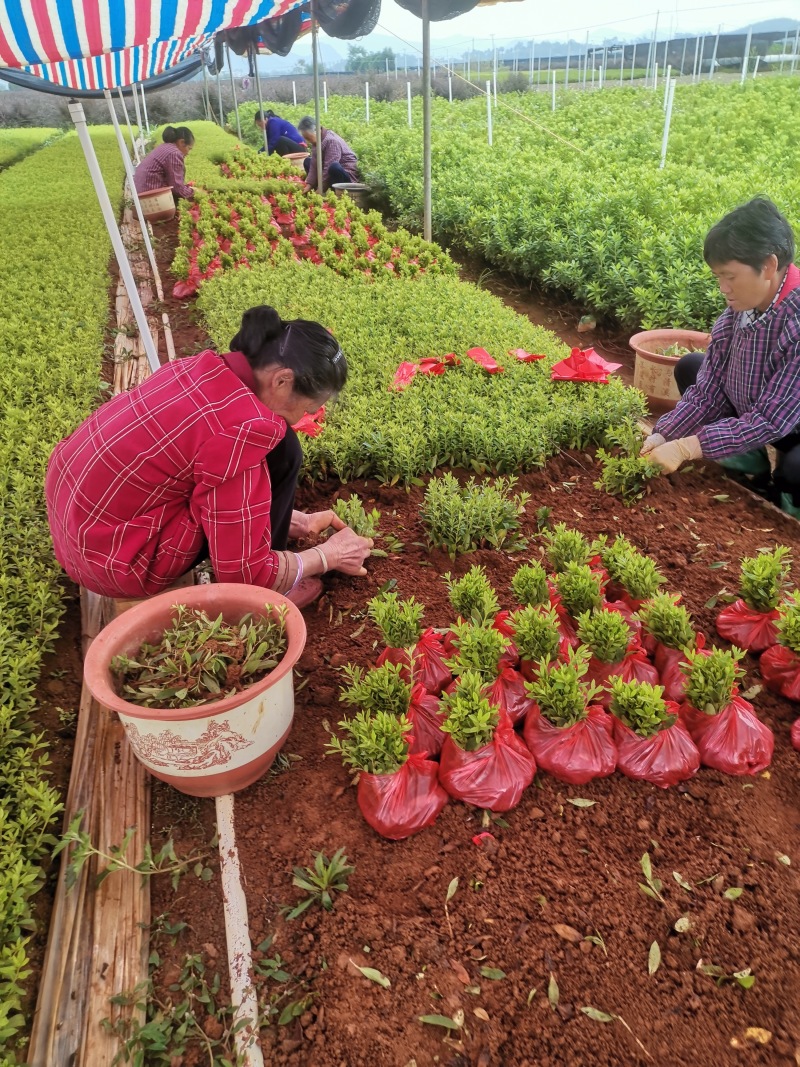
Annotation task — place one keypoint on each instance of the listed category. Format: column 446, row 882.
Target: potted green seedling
column 483, row 649
column 750, row 622
column 608, row 638
column 418, row 651
column 653, row 745
column 387, row 689
column 780, row 664
column 668, row 635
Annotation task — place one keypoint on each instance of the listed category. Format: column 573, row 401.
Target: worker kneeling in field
column 164, row 166
column 744, row 393
column 282, row 137
column 200, row 460
column 339, row 162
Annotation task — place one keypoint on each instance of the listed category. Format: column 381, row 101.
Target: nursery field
column 574, row 198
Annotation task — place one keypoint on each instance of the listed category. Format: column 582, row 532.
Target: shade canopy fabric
column 102, row 44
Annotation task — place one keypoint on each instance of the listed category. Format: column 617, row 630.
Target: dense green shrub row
column 53, row 291
column 17, row 143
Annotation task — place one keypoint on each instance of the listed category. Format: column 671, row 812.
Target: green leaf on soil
column 720, row 563
column 532, row 994
column 781, row 857
column 745, row 979
column 492, row 972
column 552, row 991
column 721, row 497
column 733, row 893
column 581, row 802
column 598, row 1016
column 439, row 1020
column 654, row 958
column 451, row 890
column 373, row 975
column 682, row 881
column 682, row 925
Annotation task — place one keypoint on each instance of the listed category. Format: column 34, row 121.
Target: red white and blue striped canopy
column 101, row 44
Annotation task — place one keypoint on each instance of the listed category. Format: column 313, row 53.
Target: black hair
column 750, row 234
column 172, row 134
column 262, row 116
column 304, row 347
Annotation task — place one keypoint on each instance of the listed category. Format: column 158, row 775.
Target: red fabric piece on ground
column 583, row 366
column 523, row 356
column 780, row 669
column 483, row 359
column 734, row 740
column 492, row 777
column 400, row 804
column 509, row 693
column 754, row 631
column 666, row 758
column 311, row 424
column 574, row 754
column 182, row 290
column 425, row 715
column 431, row 365
column 796, row 734
column 428, row 656
column 403, row 376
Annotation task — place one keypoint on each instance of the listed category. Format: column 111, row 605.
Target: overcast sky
column 532, row 18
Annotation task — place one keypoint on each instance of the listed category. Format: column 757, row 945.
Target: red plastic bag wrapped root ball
column 780, row 669
column 668, row 663
column 796, row 735
column 754, row 631
column 493, row 776
column 634, row 666
column 664, row 759
column 428, row 656
column 403, row 803
column 425, row 715
column 574, row 754
column 734, row 740
column 508, row 692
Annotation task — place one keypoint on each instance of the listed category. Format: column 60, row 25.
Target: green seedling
column 472, row 597
column 764, row 579
column 399, row 621
column 711, row 678
column 322, row 881
column 654, row 885
column 563, row 546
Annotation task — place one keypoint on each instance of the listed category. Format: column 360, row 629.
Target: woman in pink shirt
column 201, row 461
column 164, row 166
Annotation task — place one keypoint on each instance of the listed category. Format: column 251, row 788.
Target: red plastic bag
column 311, row 424
column 780, row 669
column 182, row 290
column 483, row 359
column 668, row 757
column 523, row 356
column 492, row 777
column 734, row 740
column 583, row 366
column 509, row 693
column 425, row 715
column 668, row 664
column 574, row 754
column 428, row 656
column 401, row 804
column 403, row 376
column 751, row 630
column 626, row 611
column 796, row 735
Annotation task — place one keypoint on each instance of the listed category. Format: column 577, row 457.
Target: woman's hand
column 345, row 551
column 303, row 525
column 651, row 442
column 672, row 454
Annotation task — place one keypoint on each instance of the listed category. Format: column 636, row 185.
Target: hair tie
column 338, row 354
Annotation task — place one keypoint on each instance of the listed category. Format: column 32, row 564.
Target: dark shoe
column 305, row 592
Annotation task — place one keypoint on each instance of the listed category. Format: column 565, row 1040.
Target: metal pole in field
column 549, row 60
column 134, row 148
column 294, row 93
column 387, row 68
column 209, row 109
column 469, row 62
column 219, row 99
column 554, row 92
column 647, row 64
column 366, row 99
column 530, row 79
column 655, row 37
column 450, row 87
column 494, row 70
column 700, row 61
column 746, row 59
column 621, row 64
column 144, row 110
column 233, row 90
column 601, row 77
column 633, row 61
column 585, row 59
column 655, row 77
column 794, row 52
column 489, row 111
column 427, row 220
column 683, row 56
column 315, row 67
column 755, row 68
column 138, row 111
column 666, row 87
column 694, row 65
column 408, row 97
column 783, row 51
column 666, row 48
column 667, row 123
column 714, row 54
column 260, row 96
column 325, row 96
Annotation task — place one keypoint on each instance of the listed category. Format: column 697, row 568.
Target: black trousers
column 787, row 472
column 284, row 463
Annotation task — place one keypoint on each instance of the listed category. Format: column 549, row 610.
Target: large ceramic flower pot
column 220, row 747
column 158, row 205
column 654, row 372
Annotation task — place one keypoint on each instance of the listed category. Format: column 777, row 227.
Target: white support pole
column 696, row 53
column 325, row 96
column 450, row 87
column 126, row 159
column 233, row 90
column 700, row 62
column 260, row 96
column 655, row 38
column 553, row 106
column 530, row 71
column 366, row 100
column 667, row 123
column 144, row 110
column 714, row 54
column 601, row 77
column 683, row 55
column 633, row 62
column 79, row 119
column 794, row 50
column 621, row 64
column 666, row 87
column 755, row 68
column 408, row 98
column 137, row 108
column 427, row 217
column 655, row 77
column 566, row 67
column 746, row 57
column 294, row 93
column 237, row 936
column 489, row 112
column 209, row 109
column 585, row 59
column 387, row 68
column 315, row 67
column 134, row 147
column 219, row 99
column 469, row 64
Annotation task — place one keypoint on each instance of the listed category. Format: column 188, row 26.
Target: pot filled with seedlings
column 203, row 687
column 750, row 622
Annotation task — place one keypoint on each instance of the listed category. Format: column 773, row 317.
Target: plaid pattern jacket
column 139, row 486
column 747, row 393
column 334, row 150
column 162, row 167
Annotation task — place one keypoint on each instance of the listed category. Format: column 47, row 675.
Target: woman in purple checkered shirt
column 744, row 393
column 164, row 167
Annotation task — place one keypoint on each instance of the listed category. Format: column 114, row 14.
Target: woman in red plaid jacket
column 201, row 461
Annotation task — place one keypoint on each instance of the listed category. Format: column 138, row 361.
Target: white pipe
column 666, row 87
column 667, row 123
column 714, row 54
column 317, row 122
column 233, row 90
column 554, row 92
column 655, row 77
column 408, row 96
column 450, row 88
column 79, row 119
column 138, row 110
column 366, row 100
column 144, row 109
column 746, row 58
column 294, row 93
column 489, row 111
column 237, row 935
column 755, row 68
column 126, row 159
column 325, row 96
column 427, row 152
column 134, row 147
